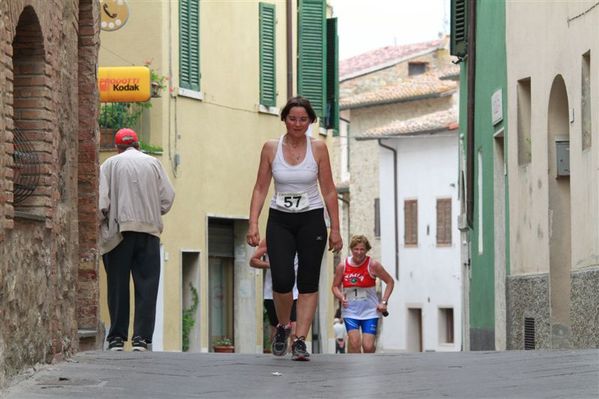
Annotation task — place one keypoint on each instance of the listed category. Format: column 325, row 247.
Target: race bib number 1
column 355, row 294
column 293, row 202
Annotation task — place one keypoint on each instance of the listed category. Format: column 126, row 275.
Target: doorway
column 414, row 337
column 499, row 223
column 190, row 287
column 560, row 249
column 221, row 279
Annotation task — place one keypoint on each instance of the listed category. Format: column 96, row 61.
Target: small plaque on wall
column 497, row 107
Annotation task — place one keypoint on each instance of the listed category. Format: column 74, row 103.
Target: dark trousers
column 138, row 255
column 288, row 233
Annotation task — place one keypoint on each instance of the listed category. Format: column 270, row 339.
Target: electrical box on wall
column 562, row 157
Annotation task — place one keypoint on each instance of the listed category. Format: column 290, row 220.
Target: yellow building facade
column 227, row 68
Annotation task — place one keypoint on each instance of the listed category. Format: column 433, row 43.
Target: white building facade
column 419, row 206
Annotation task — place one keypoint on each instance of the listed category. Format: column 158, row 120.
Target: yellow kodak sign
column 124, row 84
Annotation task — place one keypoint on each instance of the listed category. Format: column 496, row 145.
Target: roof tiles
column 384, row 56
column 427, row 124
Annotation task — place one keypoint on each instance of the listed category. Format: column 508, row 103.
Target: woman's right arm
column 259, row 193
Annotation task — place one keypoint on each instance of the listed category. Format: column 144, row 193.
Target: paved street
column 526, row 374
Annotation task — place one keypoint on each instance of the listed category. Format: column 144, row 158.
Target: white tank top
column 296, row 186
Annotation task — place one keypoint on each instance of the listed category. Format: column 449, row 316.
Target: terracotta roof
column 451, row 71
column 384, row 57
column 424, row 86
column 427, row 124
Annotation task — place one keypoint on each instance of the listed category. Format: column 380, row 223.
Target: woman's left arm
column 381, row 273
column 329, row 193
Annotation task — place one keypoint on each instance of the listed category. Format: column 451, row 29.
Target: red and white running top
column 359, row 287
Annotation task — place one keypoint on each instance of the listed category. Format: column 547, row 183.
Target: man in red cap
column 134, row 193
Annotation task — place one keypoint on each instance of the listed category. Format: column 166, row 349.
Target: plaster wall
column 567, row 32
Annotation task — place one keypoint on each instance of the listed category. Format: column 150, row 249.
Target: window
column 377, row 217
column 444, row 221
column 479, row 205
column 189, row 44
column 524, row 117
column 446, row 333
column 268, row 88
column 459, row 29
column 311, row 67
column 585, row 106
column 417, row 68
column 411, row 222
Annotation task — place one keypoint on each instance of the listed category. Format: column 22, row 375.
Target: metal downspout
column 289, row 49
column 471, row 78
column 395, row 206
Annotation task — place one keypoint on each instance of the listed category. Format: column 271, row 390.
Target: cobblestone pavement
column 512, row 374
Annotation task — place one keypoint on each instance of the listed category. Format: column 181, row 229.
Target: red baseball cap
column 125, row 136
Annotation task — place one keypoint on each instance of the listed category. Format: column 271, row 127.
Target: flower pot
column 155, row 89
column 224, row 348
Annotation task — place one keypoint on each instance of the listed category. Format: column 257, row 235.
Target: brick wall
column 48, row 284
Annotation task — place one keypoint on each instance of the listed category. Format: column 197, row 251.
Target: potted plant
column 223, row 344
column 114, row 116
column 189, row 317
column 157, row 81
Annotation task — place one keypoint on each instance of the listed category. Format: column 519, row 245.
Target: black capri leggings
column 288, row 233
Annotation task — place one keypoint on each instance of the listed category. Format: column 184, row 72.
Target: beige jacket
column 134, row 193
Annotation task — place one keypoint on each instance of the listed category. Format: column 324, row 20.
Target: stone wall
column 48, row 62
column 584, row 308
column 528, row 297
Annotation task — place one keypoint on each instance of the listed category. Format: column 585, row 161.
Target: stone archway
column 560, row 252
column 90, row 335
column 29, row 248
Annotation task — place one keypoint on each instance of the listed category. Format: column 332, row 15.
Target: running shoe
column 279, row 343
column 139, row 344
column 298, row 350
column 116, row 344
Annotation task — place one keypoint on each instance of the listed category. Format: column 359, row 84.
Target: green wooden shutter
column 459, row 28
column 189, row 44
column 268, row 88
column 332, row 94
column 312, row 55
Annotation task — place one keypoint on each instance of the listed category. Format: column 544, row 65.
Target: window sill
column 198, row 95
column 29, row 216
column 263, row 109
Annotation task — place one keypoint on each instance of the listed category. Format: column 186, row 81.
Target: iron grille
column 529, row 333
column 26, row 168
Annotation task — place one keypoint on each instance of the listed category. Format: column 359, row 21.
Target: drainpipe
column 346, row 202
column 471, row 64
column 289, row 48
column 395, row 206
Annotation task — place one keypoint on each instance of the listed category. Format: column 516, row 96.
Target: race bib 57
column 292, row 202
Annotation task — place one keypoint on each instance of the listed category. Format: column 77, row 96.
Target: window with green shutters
column 459, row 28
column 268, row 87
column 311, row 68
column 332, row 92
column 189, row 44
